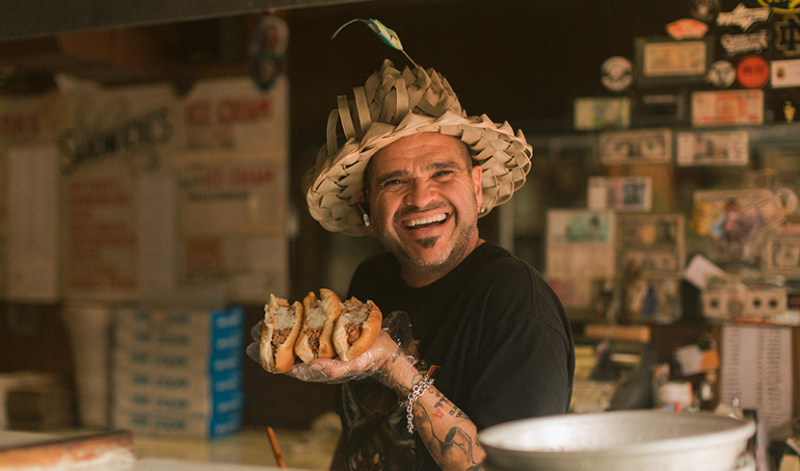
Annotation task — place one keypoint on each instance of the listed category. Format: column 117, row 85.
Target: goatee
column 427, row 242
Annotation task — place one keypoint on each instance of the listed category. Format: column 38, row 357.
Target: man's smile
column 424, row 223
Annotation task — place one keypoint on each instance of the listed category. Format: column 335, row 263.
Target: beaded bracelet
column 416, row 392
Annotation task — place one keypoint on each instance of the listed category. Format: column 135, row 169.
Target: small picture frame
column 652, row 244
column 665, row 61
column 640, row 146
column 783, row 256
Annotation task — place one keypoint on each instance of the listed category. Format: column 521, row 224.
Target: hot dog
column 316, row 335
column 356, row 328
column 282, row 323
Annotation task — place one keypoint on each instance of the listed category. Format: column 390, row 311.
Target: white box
column 178, row 425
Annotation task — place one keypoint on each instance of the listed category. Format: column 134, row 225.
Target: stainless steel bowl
column 651, row 440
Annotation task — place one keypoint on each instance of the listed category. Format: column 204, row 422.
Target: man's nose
column 420, row 193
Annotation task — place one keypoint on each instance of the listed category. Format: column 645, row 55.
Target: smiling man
column 416, row 172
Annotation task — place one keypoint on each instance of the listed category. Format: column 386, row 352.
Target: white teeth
column 428, row 220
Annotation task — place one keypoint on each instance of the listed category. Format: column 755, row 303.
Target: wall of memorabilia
column 684, row 171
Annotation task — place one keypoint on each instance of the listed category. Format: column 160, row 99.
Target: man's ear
column 477, row 175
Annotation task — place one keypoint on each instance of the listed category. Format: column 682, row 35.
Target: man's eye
column 392, row 183
column 442, row 173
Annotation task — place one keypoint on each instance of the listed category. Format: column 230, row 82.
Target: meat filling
column 313, row 339
column 279, row 336
column 353, row 332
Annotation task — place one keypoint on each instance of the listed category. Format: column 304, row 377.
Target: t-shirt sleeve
column 526, row 358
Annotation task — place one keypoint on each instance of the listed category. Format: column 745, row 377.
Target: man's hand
column 371, row 363
column 392, row 351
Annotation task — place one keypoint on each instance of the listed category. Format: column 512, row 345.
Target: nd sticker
column 787, row 36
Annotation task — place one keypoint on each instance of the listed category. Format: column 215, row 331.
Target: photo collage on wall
column 689, row 97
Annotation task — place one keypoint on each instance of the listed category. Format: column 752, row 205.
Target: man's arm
column 450, row 436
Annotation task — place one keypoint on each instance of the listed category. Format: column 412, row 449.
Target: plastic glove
column 394, row 339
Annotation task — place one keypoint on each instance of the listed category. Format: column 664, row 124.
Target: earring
column 362, row 210
column 483, row 208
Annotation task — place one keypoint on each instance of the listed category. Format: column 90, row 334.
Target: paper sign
column 699, row 269
column 785, row 73
column 244, row 199
column 33, row 216
column 758, row 369
column 231, row 119
column 734, row 107
column 100, row 232
column 713, row 148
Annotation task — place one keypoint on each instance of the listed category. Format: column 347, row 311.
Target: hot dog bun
column 356, row 328
column 282, row 323
column 316, row 335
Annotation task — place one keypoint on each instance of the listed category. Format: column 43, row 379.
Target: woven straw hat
column 392, row 105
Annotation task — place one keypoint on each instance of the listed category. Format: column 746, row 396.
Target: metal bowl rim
column 742, row 431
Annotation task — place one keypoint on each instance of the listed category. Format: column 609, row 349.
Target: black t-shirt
column 491, row 333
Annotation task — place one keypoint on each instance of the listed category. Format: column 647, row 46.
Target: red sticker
column 752, row 72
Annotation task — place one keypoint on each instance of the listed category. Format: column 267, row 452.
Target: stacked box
column 178, row 372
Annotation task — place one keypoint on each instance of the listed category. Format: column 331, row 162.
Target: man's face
column 424, row 195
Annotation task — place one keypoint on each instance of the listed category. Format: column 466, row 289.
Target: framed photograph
column 660, row 109
column 646, row 146
column 665, row 61
column 783, row 256
column 595, row 113
column 734, row 220
column 623, row 194
column 712, row 148
column 580, row 249
column 650, row 244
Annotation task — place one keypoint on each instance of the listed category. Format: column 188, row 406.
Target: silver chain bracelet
column 416, row 392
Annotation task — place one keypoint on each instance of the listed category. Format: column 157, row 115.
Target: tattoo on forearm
column 446, row 406
column 455, row 451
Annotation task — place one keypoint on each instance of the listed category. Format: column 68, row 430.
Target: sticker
column 785, row 104
column 752, row 72
column 734, row 107
column 787, row 199
column 744, row 43
column 743, row 17
column 785, row 74
column 787, row 36
column 781, row 6
column 721, row 74
column 687, row 28
column 673, row 59
column 705, row 10
column 617, row 73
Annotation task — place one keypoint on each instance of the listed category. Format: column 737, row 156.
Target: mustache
column 431, row 207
